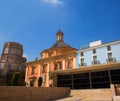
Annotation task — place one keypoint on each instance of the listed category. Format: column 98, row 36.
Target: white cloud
column 53, row 2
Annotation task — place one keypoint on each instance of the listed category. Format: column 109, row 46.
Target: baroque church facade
column 60, row 56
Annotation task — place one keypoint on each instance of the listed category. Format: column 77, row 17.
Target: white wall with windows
column 101, row 54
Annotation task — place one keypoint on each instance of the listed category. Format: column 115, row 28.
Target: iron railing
column 111, row 59
column 96, row 62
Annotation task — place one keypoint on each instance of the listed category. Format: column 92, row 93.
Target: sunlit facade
column 60, row 56
column 98, row 54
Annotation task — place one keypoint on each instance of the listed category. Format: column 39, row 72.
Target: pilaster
column 63, row 64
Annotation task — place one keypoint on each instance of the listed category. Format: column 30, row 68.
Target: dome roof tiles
column 60, row 44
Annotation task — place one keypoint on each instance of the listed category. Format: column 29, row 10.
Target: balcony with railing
column 83, row 64
column 95, row 62
column 111, row 60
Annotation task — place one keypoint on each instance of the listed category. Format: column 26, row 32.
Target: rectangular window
column 82, row 54
column 94, row 58
column 95, row 61
column 44, row 69
column 110, row 57
column 94, row 51
column 82, row 61
column 9, row 67
column 108, row 48
column 33, row 70
column 17, row 68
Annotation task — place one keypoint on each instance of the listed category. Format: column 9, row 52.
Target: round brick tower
column 11, row 58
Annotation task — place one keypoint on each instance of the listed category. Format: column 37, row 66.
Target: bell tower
column 59, row 36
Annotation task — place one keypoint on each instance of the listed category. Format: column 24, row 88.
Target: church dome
column 60, row 44
column 59, row 47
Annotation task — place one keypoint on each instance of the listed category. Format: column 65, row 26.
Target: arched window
column 69, row 64
column 32, row 81
column 60, row 65
column 56, row 66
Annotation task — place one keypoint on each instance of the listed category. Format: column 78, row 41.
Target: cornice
column 62, row 56
column 99, row 46
column 58, row 48
column 92, row 68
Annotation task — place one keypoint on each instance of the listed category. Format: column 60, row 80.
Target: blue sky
column 34, row 23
